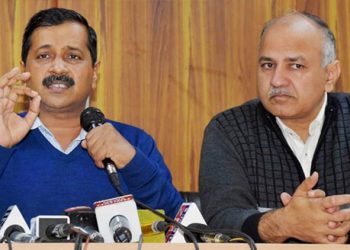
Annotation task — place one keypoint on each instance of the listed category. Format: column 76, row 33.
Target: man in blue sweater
column 47, row 161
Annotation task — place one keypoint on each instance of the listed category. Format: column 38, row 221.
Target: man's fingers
column 306, row 185
column 336, row 200
column 13, row 76
column 317, row 193
column 8, row 76
column 34, row 108
column 342, row 216
column 285, row 198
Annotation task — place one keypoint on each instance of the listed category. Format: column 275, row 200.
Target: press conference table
column 173, row 246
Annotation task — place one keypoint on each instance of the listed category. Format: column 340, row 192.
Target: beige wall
column 168, row 66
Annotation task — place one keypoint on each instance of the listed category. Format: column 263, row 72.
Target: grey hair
column 329, row 47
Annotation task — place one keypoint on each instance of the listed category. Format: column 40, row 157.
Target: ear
column 333, row 73
column 22, row 66
column 95, row 75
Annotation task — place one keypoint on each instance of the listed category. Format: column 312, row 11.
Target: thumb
column 285, row 198
column 83, row 144
column 34, row 108
column 307, row 185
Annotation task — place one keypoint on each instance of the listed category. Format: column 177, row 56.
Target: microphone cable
column 8, row 241
column 139, row 242
column 78, row 242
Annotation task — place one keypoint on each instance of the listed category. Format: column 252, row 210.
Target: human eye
column 297, row 66
column 74, row 57
column 42, row 56
column 266, row 65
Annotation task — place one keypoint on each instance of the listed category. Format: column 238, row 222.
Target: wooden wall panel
column 168, row 66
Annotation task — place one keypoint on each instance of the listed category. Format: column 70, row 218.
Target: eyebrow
column 45, row 46
column 265, row 59
column 288, row 59
column 74, row 48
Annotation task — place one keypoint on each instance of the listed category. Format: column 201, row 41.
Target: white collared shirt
column 51, row 138
column 305, row 151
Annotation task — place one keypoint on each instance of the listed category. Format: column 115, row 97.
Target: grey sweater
column 246, row 163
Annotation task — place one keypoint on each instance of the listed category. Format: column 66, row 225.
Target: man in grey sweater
column 278, row 167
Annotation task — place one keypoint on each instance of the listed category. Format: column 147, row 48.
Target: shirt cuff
column 250, row 227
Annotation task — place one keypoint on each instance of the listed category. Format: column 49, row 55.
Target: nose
column 58, row 67
column 279, row 77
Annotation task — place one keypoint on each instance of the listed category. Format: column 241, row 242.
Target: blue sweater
column 41, row 180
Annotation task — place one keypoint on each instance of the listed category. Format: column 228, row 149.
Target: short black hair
column 56, row 16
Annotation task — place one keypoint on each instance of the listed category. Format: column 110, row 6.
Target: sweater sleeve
column 148, row 178
column 226, row 197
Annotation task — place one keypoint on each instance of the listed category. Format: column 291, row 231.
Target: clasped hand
column 311, row 216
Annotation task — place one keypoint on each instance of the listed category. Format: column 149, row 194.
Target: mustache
column 279, row 91
column 63, row 79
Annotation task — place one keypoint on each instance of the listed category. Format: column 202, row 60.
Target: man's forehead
column 70, row 35
column 294, row 22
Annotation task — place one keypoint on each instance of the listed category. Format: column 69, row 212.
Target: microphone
column 118, row 220
column 215, row 238
column 16, row 233
column 204, row 234
column 85, row 218
column 14, row 228
column 59, row 231
column 51, row 228
column 154, row 228
column 92, row 234
column 93, row 117
column 119, row 226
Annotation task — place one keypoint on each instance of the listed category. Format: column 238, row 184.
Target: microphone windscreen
column 90, row 118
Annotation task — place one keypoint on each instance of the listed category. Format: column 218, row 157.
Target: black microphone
column 204, row 234
column 59, row 231
column 84, row 217
column 155, row 227
column 16, row 234
column 92, row 234
column 90, row 118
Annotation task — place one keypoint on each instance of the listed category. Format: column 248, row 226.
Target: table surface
column 171, row 246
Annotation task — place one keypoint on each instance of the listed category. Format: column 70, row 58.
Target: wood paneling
column 168, row 66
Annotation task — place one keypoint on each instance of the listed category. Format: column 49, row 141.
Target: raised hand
column 13, row 127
